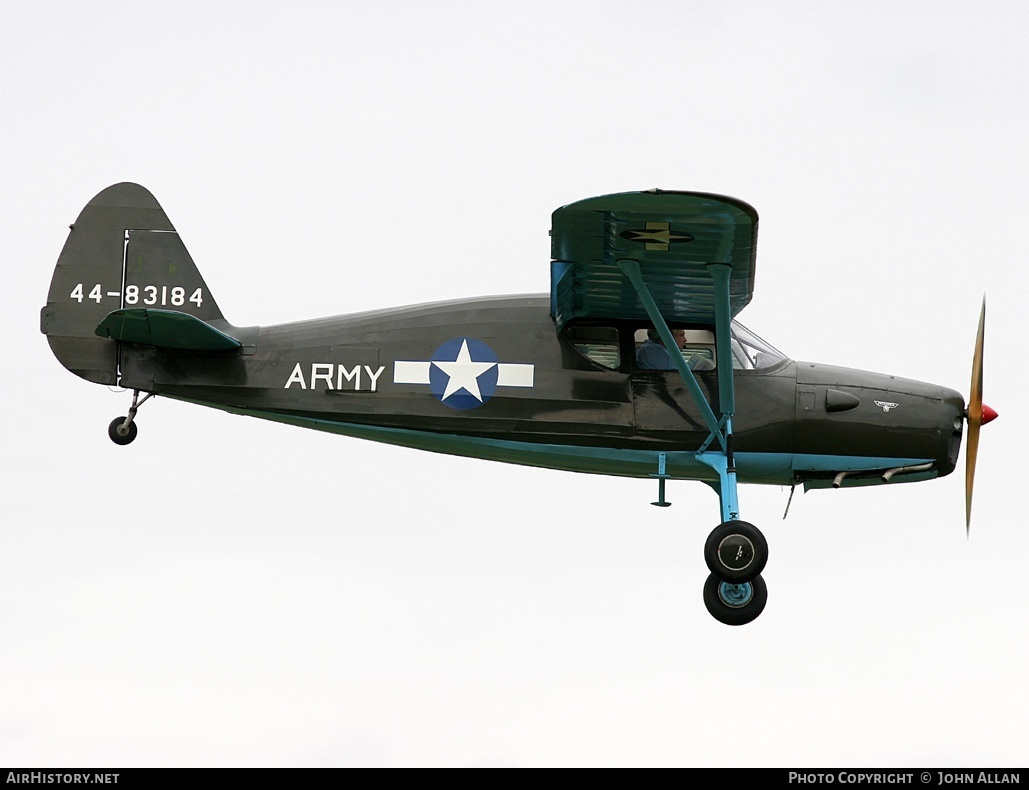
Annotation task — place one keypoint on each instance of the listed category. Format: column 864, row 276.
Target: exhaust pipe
column 904, row 470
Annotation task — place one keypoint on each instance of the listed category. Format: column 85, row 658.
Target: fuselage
column 490, row 378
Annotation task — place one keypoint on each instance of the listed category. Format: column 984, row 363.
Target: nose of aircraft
column 989, row 415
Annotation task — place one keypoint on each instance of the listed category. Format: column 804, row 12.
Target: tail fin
column 122, row 253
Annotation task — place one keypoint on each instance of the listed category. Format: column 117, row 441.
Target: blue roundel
column 463, row 373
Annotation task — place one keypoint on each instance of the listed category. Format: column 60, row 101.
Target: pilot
column 652, row 355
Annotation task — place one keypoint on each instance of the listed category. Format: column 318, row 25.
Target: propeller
column 978, row 414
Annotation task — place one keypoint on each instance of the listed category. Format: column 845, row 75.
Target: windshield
column 750, row 352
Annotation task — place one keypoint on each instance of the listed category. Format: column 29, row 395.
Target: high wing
column 673, row 235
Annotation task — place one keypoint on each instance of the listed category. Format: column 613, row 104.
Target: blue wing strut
column 721, row 458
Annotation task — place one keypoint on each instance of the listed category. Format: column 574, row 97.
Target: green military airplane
column 633, row 365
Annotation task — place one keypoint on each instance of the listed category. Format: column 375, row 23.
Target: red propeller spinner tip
column 989, row 415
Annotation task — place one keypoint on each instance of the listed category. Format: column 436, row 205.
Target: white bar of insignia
column 511, row 374
column 410, row 372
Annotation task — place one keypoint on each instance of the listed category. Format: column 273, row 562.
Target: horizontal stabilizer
column 165, row 329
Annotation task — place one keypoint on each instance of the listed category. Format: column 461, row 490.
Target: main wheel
column 736, row 551
column 735, row 604
column 119, row 434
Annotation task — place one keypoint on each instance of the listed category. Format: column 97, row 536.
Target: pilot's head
column 678, row 334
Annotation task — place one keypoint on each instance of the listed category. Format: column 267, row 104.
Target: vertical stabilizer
column 122, row 252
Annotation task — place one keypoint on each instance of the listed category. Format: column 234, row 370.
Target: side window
column 698, row 349
column 599, row 344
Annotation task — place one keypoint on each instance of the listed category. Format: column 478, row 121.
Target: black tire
column 736, row 551
column 732, row 603
column 119, row 438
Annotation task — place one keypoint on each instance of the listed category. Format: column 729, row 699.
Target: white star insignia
column 464, row 373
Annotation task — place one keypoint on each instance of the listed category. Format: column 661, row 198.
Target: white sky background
column 229, row 592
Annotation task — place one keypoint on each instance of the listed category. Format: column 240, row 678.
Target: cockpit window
column 750, row 352
column 599, row 344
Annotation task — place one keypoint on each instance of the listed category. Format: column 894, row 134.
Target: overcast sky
column 231, row 592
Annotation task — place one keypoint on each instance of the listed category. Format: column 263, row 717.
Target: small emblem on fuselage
column 656, row 236
column 463, row 373
column 885, row 405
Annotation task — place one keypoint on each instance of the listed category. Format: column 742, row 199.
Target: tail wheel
column 736, row 551
column 119, row 433
column 735, row 603
column 123, row 429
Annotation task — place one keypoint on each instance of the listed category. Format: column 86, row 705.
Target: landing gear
column 119, row 433
column 736, row 551
column 735, row 603
column 123, row 429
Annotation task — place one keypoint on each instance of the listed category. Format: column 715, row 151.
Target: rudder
column 122, row 252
